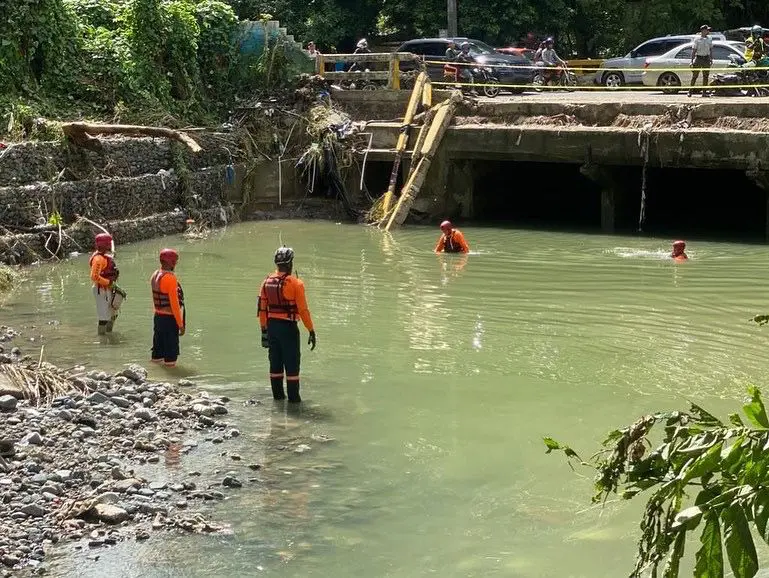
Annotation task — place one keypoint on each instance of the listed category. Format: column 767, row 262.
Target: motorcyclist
column 538, row 54
column 756, row 51
column 551, row 59
column 449, row 70
column 465, row 60
column 361, row 48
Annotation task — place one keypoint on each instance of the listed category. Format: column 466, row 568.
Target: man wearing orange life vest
column 104, row 274
column 452, row 240
column 281, row 302
column 168, row 300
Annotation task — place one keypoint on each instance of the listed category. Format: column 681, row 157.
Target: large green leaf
column 676, row 553
column 704, row 464
column 709, row 560
column 761, row 513
column 739, row 542
column 755, row 410
column 704, row 417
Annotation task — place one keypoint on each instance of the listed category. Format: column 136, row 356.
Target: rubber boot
column 293, row 392
column 277, row 388
column 102, row 329
column 110, row 326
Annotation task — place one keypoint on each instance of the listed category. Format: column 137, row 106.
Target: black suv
column 434, row 49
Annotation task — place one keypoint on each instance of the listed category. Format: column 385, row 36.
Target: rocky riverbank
column 68, row 464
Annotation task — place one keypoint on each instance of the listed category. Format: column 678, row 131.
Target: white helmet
column 362, row 43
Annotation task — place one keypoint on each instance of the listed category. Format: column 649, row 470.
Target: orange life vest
column 449, row 245
column 277, row 305
column 161, row 300
column 110, row 272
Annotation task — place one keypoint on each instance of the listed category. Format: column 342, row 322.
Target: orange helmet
column 169, row 257
column 103, row 241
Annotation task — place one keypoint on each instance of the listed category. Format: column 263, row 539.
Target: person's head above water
column 447, row 227
column 678, row 249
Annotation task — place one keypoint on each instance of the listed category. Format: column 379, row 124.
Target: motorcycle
column 553, row 76
column 748, row 77
column 482, row 76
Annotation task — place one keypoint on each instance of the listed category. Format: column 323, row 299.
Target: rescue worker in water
column 170, row 314
column 452, row 240
column 281, row 302
column 679, row 251
column 104, row 274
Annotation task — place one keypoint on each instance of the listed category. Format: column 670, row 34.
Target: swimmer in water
column 679, row 255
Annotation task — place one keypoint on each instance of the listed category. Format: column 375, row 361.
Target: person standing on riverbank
column 702, row 58
column 168, row 300
column 104, row 274
column 281, row 302
column 452, row 240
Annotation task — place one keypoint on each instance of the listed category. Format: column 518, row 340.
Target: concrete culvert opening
column 718, row 203
column 535, row 194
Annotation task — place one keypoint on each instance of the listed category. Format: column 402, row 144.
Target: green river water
column 437, row 377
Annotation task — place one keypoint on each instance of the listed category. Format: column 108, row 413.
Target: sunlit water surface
column 437, row 376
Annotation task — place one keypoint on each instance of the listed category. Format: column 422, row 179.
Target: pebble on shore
column 66, row 470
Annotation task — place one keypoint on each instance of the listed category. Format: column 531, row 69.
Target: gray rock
column 186, row 383
column 64, row 414
column 115, row 413
column 108, row 498
column 110, row 514
column 8, row 402
column 135, row 373
column 97, row 398
column 52, row 488
column 121, row 402
column 145, row 414
column 201, row 409
column 220, row 410
column 172, row 414
column 157, row 486
column 64, row 475
column 231, row 482
column 34, row 510
column 234, row 433
column 32, row 438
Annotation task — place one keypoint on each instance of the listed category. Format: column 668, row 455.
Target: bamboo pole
column 411, row 109
column 435, row 134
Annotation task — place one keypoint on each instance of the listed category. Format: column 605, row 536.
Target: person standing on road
column 281, row 303
column 702, row 58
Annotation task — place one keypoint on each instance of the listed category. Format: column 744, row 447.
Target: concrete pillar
column 603, row 176
column 761, row 180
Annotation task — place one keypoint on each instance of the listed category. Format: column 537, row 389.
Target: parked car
column 616, row 72
column 671, row 70
column 508, row 68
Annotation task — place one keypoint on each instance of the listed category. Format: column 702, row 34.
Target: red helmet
column 169, row 256
column 103, row 240
column 446, row 226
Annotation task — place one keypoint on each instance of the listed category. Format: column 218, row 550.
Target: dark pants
column 284, row 354
column 701, row 62
column 165, row 339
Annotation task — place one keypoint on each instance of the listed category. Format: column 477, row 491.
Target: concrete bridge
column 604, row 135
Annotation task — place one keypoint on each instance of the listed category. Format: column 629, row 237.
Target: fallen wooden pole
column 443, row 117
column 411, row 109
column 80, row 133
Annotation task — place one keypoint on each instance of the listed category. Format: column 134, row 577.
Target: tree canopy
column 581, row 27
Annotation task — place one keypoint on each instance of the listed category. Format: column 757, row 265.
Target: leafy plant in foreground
column 704, row 475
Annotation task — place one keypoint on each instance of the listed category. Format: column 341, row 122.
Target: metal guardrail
column 392, row 75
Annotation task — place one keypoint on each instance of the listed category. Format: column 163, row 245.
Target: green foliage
column 705, row 474
column 8, row 278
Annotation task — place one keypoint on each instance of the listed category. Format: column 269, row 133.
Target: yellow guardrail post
column 395, row 72
column 320, row 65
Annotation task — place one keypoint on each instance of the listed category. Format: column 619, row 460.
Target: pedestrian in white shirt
column 702, row 58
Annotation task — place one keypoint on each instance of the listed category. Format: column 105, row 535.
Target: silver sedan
column 672, row 70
